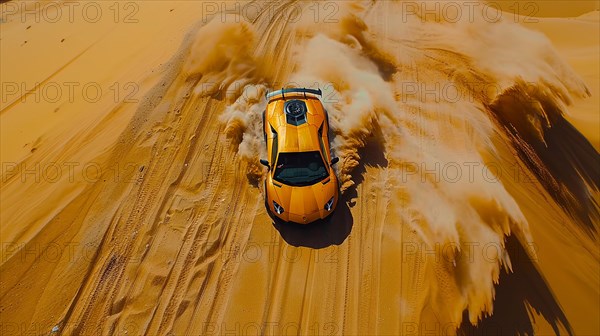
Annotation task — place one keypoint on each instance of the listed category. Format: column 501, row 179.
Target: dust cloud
column 432, row 115
column 425, row 92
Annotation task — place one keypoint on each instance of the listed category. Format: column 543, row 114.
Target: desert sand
column 131, row 195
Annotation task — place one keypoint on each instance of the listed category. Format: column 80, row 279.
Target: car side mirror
column 265, row 163
column 335, row 160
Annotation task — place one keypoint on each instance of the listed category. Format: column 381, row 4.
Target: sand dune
column 131, row 199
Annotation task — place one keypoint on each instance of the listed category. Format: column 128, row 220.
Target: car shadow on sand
column 322, row 233
column 335, row 229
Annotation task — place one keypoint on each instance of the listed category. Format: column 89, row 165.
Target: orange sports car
column 301, row 185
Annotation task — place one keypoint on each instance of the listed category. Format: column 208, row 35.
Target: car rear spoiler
column 282, row 92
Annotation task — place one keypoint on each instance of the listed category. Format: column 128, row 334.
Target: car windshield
column 300, row 168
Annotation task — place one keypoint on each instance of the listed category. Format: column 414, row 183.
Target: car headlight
column 329, row 204
column 278, row 208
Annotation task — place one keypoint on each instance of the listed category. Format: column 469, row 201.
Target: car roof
column 301, row 138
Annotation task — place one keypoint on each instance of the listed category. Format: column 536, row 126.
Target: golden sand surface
column 131, row 195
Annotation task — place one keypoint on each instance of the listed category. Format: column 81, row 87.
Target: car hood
column 304, row 200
